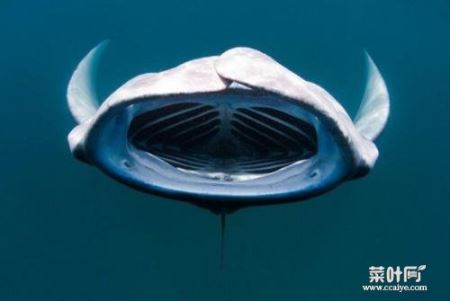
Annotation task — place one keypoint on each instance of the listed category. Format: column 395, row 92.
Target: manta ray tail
column 222, row 237
column 374, row 109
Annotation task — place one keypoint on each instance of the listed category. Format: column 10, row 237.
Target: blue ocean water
column 67, row 232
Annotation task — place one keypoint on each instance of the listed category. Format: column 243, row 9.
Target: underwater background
column 68, row 232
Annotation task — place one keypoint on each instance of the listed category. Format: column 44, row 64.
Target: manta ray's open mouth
column 221, row 138
column 225, row 131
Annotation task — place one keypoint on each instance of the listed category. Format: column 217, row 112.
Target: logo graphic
column 398, row 279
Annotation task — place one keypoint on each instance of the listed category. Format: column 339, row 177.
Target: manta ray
column 225, row 132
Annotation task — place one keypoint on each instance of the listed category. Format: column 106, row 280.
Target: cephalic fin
column 81, row 91
column 373, row 112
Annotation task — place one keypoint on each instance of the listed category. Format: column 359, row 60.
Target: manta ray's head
column 225, row 131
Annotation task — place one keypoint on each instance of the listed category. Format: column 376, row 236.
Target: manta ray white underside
column 229, row 130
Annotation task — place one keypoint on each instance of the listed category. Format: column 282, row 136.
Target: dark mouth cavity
column 224, row 142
